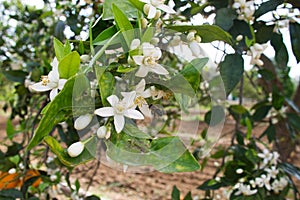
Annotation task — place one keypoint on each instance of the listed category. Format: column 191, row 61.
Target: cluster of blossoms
column 152, row 8
column 245, row 9
column 269, row 177
column 255, row 52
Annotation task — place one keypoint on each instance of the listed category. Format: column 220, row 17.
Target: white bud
column 259, row 62
column 135, row 44
column 12, row 171
column 146, row 8
column 155, row 40
column 101, row 132
column 85, row 58
column 83, row 121
column 144, row 23
column 198, row 38
column 53, row 177
column 239, row 38
column 191, row 36
column 75, row 149
column 157, row 14
column 218, row 179
column 195, row 48
column 21, row 166
column 239, row 171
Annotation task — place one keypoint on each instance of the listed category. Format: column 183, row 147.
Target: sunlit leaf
column 69, row 65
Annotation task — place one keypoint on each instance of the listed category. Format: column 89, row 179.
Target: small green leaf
column 291, row 169
column 129, row 10
column 175, row 193
column 138, row 4
column 10, row 194
column 295, row 39
column 281, row 53
column 105, row 35
column 106, row 85
column 211, row 185
column 232, row 69
column 208, row 33
column 134, row 131
column 69, row 65
column 294, row 120
column 261, row 112
column 61, row 50
column 277, row 100
column 88, row 153
column 188, row 196
column 270, row 132
column 10, row 131
column 215, row 116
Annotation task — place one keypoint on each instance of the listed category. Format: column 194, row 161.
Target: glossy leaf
column 261, row 112
column 208, row 33
column 105, row 35
column 61, row 50
column 281, row 53
column 129, row 10
column 266, row 7
column 294, row 120
column 270, row 132
column 88, row 153
column 295, row 39
column 10, row 131
column 175, row 193
column 106, row 85
column 231, row 69
column 211, row 185
column 54, row 113
column 224, row 18
column 69, row 65
column 138, row 4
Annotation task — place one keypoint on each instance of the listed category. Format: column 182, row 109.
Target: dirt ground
column 112, row 184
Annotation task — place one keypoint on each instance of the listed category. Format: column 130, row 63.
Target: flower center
column 45, row 80
column 139, row 101
column 149, row 61
column 119, row 108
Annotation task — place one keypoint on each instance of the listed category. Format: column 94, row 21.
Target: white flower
column 53, row 177
column 194, row 41
column 120, row 110
column 156, row 94
column 85, row 58
column 275, row 158
column 148, row 61
column 266, row 156
column 50, row 82
column 244, row 189
column 279, row 185
column 101, row 132
column 75, row 149
column 272, row 172
column 151, row 6
column 245, row 9
column 141, row 95
column 262, row 181
column 255, row 52
column 83, row 121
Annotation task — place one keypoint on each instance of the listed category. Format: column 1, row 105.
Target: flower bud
column 85, row 58
column 157, row 14
column 53, row 177
column 195, row 48
column 75, row 149
column 82, row 121
column 101, row 132
column 146, row 9
column 135, row 44
column 259, row 62
column 239, row 38
column 198, row 38
column 239, row 171
column 155, row 40
column 191, row 36
column 144, row 23
column 12, row 171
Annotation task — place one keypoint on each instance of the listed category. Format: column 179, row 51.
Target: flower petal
column 158, row 69
column 134, row 114
column 152, row 12
column 142, row 71
column 119, row 122
column 38, row 87
column 135, row 44
column 104, row 112
column 146, row 93
column 53, row 93
column 61, row 83
column 53, row 76
column 140, row 87
column 195, row 48
column 166, row 8
column 138, row 59
column 129, row 99
column 145, row 1
column 113, row 100
column 145, row 110
column 82, row 121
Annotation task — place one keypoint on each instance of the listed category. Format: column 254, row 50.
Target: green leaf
column 281, row 53
column 175, row 193
column 215, row 116
column 61, row 50
column 106, row 83
column 231, row 69
column 188, row 196
column 105, row 35
column 295, row 39
column 123, row 24
column 266, row 7
column 270, row 132
column 69, row 65
column 10, row 194
column 208, row 33
column 54, row 113
column 10, row 131
column 18, row 76
column 294, row 120
column 277, row 100
column 138, row 4
column 88, row 153
column 291, row 169
column 134, row 131
column 129, row 10
column 261, row 112
column 264, row 33
column 211, row 185
column 225, row 17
